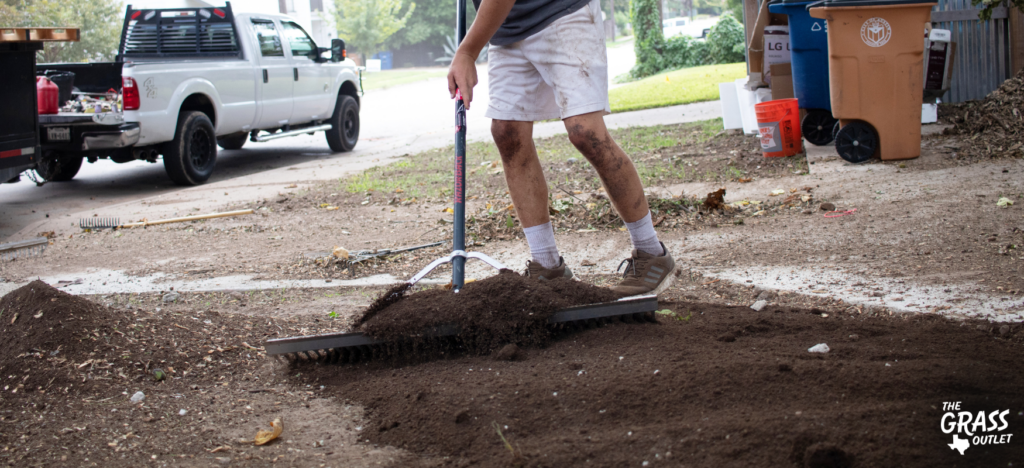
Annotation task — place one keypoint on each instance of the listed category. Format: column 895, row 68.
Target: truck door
column 274, row 76
column 312, row 87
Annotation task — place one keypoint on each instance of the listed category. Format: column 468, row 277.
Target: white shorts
column 559, row 72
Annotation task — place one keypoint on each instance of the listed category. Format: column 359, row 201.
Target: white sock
column 644, row 237
column 542, row 244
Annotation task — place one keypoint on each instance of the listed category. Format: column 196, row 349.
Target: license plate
column 58, row 133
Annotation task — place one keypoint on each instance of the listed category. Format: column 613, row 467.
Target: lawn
column 675, row 87
column 388, row 78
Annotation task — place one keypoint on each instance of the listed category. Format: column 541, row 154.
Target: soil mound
column 997, row 121
column 43, row 330
column 503, row 309
column 673, row 394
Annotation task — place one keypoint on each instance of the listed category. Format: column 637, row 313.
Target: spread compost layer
column 710, row 386
column 503, row 309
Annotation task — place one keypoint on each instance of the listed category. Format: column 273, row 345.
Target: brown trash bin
column 876, row 60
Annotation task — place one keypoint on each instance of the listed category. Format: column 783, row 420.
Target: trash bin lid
column 865, row 3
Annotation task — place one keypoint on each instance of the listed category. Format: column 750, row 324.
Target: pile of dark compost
column 713, row 386
column 994, row 125
column 503, row 309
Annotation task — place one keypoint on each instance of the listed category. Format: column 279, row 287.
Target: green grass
column 388, row 78
column 428, row 174
column 675, row 87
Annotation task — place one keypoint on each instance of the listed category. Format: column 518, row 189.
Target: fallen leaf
column 744, row 180
column 778, row 192
column 331, row 208
column 291, row 186
column 1003, row 201
column 340, row 252
column 262, row 437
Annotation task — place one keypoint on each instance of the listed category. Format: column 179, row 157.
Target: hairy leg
column 523, row 172
column 590, row 136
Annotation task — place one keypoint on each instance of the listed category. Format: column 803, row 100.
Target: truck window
column 299, row 41
column 268, row 38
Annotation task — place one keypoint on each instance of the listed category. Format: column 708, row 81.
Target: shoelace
column 630, row 265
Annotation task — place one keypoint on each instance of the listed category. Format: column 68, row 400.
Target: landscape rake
column 356, row 346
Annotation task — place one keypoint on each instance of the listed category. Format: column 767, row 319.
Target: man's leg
column 590, row 136
column 525, row 178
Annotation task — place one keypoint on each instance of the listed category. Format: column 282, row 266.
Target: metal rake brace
column 459, row 255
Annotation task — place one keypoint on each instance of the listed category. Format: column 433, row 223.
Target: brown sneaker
column 645, row 274
column 534, row 270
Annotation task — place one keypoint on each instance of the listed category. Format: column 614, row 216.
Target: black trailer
column 19, row 124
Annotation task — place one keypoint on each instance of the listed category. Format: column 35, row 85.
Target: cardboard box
column 755, row 49
column 776, row 49
column 782, row 81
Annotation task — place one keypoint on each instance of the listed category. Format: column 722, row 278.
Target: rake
column 355, row 347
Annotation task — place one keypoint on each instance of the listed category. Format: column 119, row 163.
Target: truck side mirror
column 337, row 50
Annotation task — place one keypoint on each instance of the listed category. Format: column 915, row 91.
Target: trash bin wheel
column 817, row 127
column 856, row 142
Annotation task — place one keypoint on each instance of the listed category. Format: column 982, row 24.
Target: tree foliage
column 432, row 22
column 367, row 24
column 98, row 20
column 724, row 44
column 649, row 39
column 986, row 6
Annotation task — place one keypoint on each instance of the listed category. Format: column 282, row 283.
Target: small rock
column 854, row 337
column 223, row 460
column 808, row 211
column 819, row 348
column 138, row 397
column 1004, row 330
column 509, row 352
column 761, row 304
column 828, row 206
column 182, row 412
column 726, row 337
column 171, row 296
column 766, row 296
column 236, row 295
column 571, row 160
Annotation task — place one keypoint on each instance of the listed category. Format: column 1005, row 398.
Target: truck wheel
column 345, row 133
column 190, row 157
column 56, row 167
column 233, row 141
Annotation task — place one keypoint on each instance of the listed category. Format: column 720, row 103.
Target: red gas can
column 47, row 96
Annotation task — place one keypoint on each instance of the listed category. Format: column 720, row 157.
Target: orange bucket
column 778, row 123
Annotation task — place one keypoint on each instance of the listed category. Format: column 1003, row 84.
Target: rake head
column 26, row 248
column 99, row 223
column 351, row 348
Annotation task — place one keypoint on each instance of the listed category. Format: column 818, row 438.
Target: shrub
column 649, row 39
column 725, row 41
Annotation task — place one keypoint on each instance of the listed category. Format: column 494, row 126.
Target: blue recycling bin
column 808, row 43
column 387, row 60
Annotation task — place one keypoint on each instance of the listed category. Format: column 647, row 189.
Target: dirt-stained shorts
column 559, row 72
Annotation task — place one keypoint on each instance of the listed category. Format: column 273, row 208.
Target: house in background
column 307, row 13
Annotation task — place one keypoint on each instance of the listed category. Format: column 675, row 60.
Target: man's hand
column 462, row 76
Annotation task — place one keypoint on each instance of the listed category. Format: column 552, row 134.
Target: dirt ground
column 932, row 235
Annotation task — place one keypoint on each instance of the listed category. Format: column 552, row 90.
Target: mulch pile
column 995, row 124
column 503, row 309
column 713, row 386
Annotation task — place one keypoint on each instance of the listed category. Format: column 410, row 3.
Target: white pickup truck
column 189, row 79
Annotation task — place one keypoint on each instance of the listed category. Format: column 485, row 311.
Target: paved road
column 395, row 122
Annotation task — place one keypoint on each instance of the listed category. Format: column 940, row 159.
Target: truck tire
column 345, row 133
column 190, row 157
column 57, row 167
column 233, row 141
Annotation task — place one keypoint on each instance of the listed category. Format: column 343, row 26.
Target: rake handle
column 459, row 215
column 188, row 218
